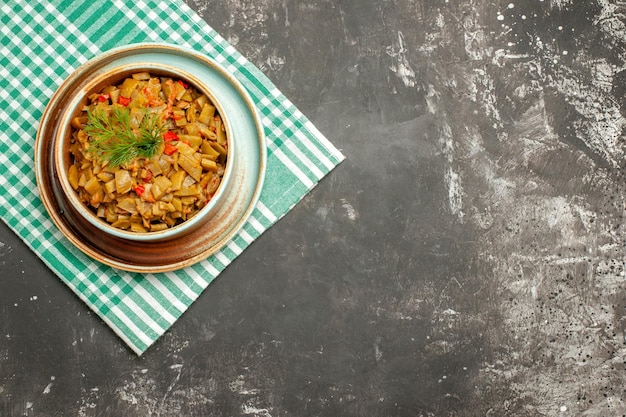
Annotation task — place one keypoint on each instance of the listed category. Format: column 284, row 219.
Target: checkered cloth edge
column 42, row 43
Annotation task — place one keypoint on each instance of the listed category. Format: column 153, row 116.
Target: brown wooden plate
column 239, row 198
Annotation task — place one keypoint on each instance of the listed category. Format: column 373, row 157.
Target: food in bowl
column 147, row 153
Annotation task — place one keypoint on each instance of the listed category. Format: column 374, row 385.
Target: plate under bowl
column 248, row 164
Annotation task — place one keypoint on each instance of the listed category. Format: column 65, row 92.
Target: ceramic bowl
column 198, row 237
column 62, row 158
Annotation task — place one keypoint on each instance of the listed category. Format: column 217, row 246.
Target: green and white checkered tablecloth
column 42, row 43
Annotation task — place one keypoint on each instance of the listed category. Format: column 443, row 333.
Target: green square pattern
column 42, row 43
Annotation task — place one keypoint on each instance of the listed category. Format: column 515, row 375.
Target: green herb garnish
column 114, row 140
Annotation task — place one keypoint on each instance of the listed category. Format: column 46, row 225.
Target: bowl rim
column 92, row 84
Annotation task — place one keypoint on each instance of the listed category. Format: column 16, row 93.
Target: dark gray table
column 467, row 259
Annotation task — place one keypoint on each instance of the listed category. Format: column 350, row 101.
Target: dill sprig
column 114, row 140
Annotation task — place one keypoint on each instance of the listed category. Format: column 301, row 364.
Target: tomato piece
column 124, row 101
column 170, row 149
column 168, row 136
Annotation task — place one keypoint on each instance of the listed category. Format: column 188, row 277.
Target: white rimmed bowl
column 62, row 159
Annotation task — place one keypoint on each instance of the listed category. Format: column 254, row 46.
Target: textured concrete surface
column 467, row 259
